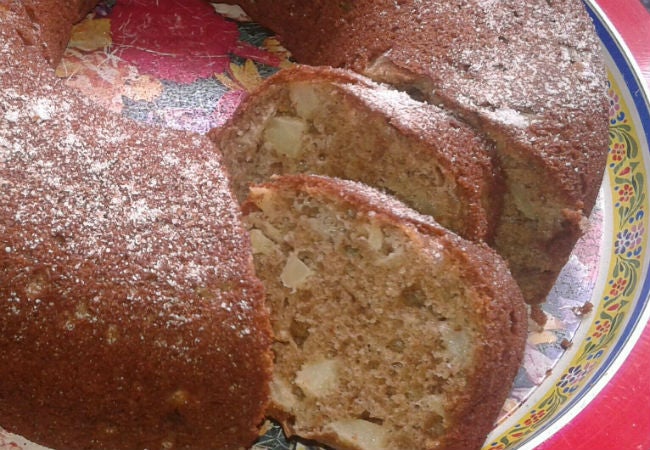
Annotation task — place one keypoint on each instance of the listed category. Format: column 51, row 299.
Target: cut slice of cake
column 335, row 123
column 390, row 331
column 529, row 76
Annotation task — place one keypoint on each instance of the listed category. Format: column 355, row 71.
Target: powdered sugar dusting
column 146, row 213
column 43, row 109
column 525, row 70
column 119, row 244
column 508, row 116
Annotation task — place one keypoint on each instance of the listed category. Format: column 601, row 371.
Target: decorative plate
column 608, row 270
column 599, row 305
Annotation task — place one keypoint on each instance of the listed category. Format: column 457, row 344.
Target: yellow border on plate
column 627, row 184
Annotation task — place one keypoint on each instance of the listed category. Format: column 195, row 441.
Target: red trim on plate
column 619, row 417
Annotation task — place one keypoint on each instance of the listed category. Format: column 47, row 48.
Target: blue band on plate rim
column 630, row 74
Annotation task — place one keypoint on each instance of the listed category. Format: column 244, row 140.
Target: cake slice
column 332, row 122
column 529, row 76
column 390, row 332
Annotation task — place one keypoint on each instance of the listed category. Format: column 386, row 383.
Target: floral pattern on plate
column 626, row 182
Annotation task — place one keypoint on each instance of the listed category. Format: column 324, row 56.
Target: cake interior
column 373, row 328
column 316, row 127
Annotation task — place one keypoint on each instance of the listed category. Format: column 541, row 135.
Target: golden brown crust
column 485, row 62
column 51, row 21
column 130, row 316
column 96, row 251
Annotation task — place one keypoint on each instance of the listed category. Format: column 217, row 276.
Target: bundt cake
column 132, row 309
column 390, row 332
column 336, row 123
column 130, row 316
column 527, row 75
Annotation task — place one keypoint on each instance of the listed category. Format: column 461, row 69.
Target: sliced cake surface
column 332, row 122
column 130, row 313
column 390, row 332
column 529, row 76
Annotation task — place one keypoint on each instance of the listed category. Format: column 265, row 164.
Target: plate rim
column 639, row 316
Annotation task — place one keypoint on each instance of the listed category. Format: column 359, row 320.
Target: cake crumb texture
column 390, row 332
